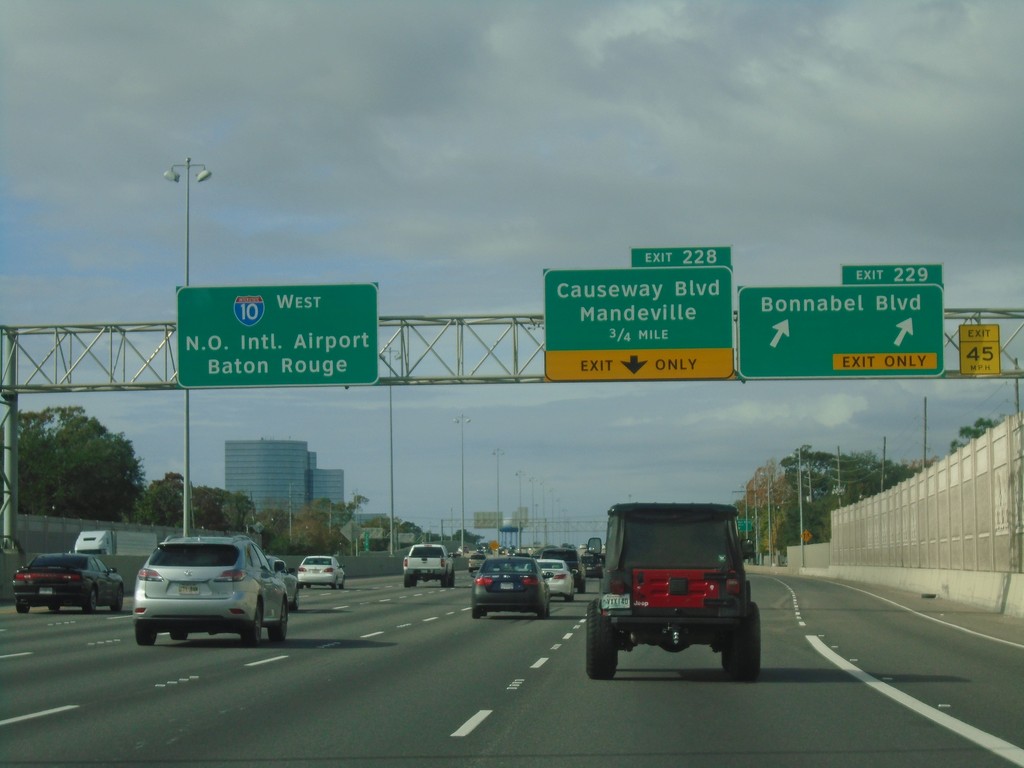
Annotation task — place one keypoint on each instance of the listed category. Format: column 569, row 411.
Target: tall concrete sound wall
column 956, row 529
column 962, row 513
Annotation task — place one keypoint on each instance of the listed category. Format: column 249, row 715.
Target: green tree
column 966, row 434
column 828, row 481
column 317, row 527
column 161, row 504
column 70, row 465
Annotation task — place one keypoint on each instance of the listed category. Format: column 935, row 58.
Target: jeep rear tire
column 742, row 657
column 602, row 655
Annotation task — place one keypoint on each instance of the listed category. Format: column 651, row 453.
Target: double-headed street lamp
column 202, row 174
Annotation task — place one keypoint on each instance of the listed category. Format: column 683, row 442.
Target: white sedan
column 558, row 577
column 321, row 569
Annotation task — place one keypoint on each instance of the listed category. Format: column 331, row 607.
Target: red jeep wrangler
column 673, row 577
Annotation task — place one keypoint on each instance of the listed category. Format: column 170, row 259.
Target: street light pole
column 498, row 480
column 461, row 421
column 172, row 175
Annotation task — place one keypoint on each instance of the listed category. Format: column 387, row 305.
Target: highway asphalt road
column 379, row 675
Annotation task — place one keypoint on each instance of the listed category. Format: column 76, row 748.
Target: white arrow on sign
column 781, row 329
column 907, row 326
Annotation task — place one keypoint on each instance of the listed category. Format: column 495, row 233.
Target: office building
column 279, row 474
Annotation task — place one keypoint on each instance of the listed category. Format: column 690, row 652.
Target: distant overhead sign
column 277, row 336
column 848, row 331
column 692, row 256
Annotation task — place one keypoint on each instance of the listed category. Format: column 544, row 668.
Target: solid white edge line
column 44, row 713
column 467, row 727
column 16, row 655
column 937, row 621
column 993, row 744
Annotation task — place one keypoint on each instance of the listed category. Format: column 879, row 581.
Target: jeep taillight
column 233, row 575
column 733, row 585
column 148, row 574
column 617, row 583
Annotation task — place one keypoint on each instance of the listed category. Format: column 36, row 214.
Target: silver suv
column 209, row 584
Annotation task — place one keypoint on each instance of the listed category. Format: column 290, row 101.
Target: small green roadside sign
column 847, row 331
column 277, row 336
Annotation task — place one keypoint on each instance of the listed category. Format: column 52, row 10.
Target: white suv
column 209, row 584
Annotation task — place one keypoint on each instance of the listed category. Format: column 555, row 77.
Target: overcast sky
column 452, row 151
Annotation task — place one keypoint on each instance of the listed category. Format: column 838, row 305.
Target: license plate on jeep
column 188, row 589
column 613, row 602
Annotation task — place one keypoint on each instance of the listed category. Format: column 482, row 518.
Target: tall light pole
column 461, row 421
column 497, row 482
column 202, row 174
column 518, row 517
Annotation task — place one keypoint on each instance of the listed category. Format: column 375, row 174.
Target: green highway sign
column 638, row 324
column 695, row 256
column 846, row 331
column 277, row 336
column 892, row 274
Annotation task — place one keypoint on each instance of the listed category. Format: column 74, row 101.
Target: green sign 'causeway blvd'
column 277, row 336
column 846, row 331
column 632, row 324
column 675, row 307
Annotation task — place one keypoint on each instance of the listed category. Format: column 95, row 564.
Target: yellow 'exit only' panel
column 638, row 364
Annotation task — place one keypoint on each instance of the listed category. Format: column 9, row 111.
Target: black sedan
column 67, row 579
column 510, row 584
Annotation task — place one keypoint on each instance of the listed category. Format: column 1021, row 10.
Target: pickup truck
column 428, row 562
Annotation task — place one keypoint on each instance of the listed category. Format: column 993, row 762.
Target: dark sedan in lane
column 61, row 579
column 510, row 584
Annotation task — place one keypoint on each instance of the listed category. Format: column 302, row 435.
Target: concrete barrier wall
column 963, row 513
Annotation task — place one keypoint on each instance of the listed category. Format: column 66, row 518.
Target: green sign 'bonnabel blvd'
column 277, row 336
column 638, row 324
column 846, row 331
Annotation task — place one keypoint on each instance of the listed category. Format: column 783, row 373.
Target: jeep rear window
column 207, row 555
column 679, row 543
